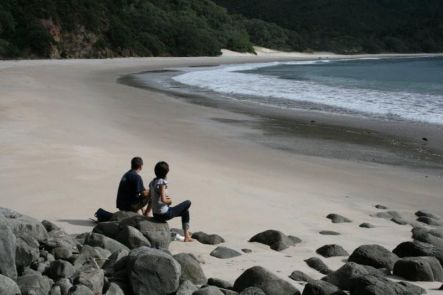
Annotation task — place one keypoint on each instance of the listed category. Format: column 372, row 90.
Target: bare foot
column 188, row 239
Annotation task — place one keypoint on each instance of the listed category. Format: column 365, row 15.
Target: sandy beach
column 68, row 131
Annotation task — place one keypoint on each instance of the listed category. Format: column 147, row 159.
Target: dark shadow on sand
column 81, row 222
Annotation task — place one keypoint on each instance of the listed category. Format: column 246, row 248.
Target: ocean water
column 389, row 89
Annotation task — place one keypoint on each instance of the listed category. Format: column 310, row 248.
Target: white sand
column 68, row 131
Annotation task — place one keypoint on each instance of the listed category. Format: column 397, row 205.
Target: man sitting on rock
column 132, row 195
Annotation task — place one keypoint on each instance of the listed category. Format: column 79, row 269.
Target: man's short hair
column 161, row 169
column 136, row 163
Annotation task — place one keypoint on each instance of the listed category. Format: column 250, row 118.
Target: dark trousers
column 181, row 209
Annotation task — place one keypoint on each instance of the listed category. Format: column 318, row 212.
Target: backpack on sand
column 102, row 215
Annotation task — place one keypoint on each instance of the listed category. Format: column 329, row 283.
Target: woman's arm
column 164, row 198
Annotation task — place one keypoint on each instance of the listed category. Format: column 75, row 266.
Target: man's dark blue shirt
column 131, row 185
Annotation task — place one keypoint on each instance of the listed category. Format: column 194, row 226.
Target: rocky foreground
column 129, row 255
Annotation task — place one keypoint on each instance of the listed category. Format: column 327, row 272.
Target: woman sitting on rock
column 160, row 201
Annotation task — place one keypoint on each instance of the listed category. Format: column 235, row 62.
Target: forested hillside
column 111, row 28
column 352, row 26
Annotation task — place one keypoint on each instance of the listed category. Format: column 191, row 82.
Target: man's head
column 161, row 169
column 136, row 163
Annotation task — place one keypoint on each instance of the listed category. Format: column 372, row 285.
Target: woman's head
column 161, row 169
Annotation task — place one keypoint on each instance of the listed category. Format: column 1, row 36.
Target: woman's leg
column 182, row 210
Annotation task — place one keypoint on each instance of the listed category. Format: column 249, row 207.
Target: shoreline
column 69, row 130
column 301, row 131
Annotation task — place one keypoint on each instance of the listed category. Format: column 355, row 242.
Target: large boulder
column 109, row 229
column 80, row 290
column 186, row 288
column 337, row 218
column 153, row 272
column 23, row 225
column 275, row 239
column 64, row 284
column 132, row 238
column 417, row 248
column 219, row 283
column 252, row 291
column 374, row 255
column 319, row 288
column 114, row 289
column 224, row 253
column 427, row 213
column 430, row 221
column 432, row 236
column 317, row 264
column 61, row 269
column 259, row 277
column 208, row 239
column 27, row 252
column 300, row 276
column 93, row 279
column 7, row 251
column 34, row 284
column 156, row 232
column 343, row 276
column 113, row 262
column 8, row 286
column 332, row 250
column 99, row 240
column 59, row 238
column 122, row 215
column 190, row 269
column 208, row 290
column 376, row 285
column 419, row 269
column 91, row 256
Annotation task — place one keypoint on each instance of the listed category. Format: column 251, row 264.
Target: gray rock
column 329, row 233
column 208, row 239
column 55, row 290
column 208, row 290
column 375, row 285
column 112, row 263
column 93, row 279
column 317, row 264
column 342, row 277
column 27, row 252
column 157, row 233
column 300, row 276
column 319, row 288
column 34, row 284
column 336, row 218
column 224, row 253
column 109, row 229
column 261, row 278
column 228, row 291
column 275, row 239
column 399, row 221
column 62, row 252
column 41, row 267
column 190, row 269
column 366, row 225
column 132, row 238
column 388, row 215
column 219, row 283
column 122, row 215
column 59, row 238
column 64, row 284
column 98, row 240
column 7, row 251
column 80, row 290
column 419, row 269
column 415, row 249
column 8, row 286
column 61, row 269
column 50, row 226
column 115, row 289
column 91, row 256
column 153, row 272
column 252, row 291
column 374, row 255
column 186, row 288
column 381, row 207
column 429, row 221
column 23, row 225
column 426, row 213
column 428, row 236
column 332, row 250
